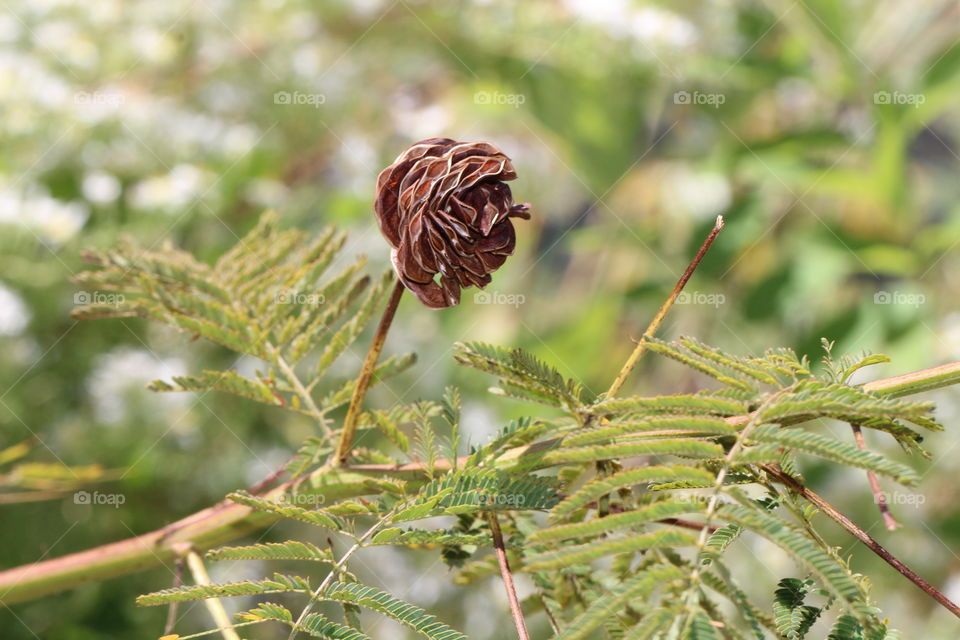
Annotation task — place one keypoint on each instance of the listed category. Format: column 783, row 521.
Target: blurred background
column 825, row 131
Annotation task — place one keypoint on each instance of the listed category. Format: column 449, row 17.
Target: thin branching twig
column 834, row 514
column 172, row 611
column 366, row 375
column 664, row 309
column 508, row 585
column 878, row 496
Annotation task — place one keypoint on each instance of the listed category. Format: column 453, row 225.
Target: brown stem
column 878, row 497
column 508, row 585
column 676, row 522
column 265, row 484
column 550, row 617
column 664, row 309
column 862, row 536
column 366, row 375
column 689, row 524
column 177, row 581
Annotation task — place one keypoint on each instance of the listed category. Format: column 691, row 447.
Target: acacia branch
column 862, row 536
column 226, row 520
column 878, row 497
column 508, row 585
column 366, row 375
column 664, row 309
column 172, row 611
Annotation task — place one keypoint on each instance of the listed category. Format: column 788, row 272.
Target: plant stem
column 228, row 521
column 214, row 606
column 366, row 375
column 213, row 526
column 881, row 500
column 511, row 589
column 692, row 590
column 297, row 626
column 917, row 381
column 664, row 309
column 172, row 612
column 302, row 392
column 862, row 536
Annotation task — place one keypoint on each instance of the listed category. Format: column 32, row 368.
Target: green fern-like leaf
column 565, row 557
column 651, row 427
column 476, row 490
column 676, row 404
column 422, row 537
column 227, row 381
column 522, row 374
column 793, row 617
column 612, row 523
column 832, row 449
column 411, row 616
column 602, row 486
column 314, row 624
column 280, row 583
column 846, row 628
column 289, row 550
column 653, row 624
column 686, row 448
column 831, row 573
column 310, row 516
column 350, row 331
column 634, row 589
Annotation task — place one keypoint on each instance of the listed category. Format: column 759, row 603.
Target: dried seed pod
column 445, row 209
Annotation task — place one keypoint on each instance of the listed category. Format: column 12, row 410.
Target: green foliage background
column 825, row 131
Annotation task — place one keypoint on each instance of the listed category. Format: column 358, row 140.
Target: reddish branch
column 863, row 537
column 878, row 496
column 511, row 589
column 366, row 376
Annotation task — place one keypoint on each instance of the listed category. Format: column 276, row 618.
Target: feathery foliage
column 623, row 511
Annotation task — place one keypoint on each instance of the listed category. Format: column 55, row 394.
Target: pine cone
column 445, row 208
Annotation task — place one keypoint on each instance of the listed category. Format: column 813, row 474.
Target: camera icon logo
column 882, row 297
column 881, row 97
column 481, row 297
column 282, row 97
column 681, row 97
column 81, row 497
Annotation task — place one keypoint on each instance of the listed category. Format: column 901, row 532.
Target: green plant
column 622, row 509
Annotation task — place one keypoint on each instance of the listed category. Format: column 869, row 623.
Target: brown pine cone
column 445, row 208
